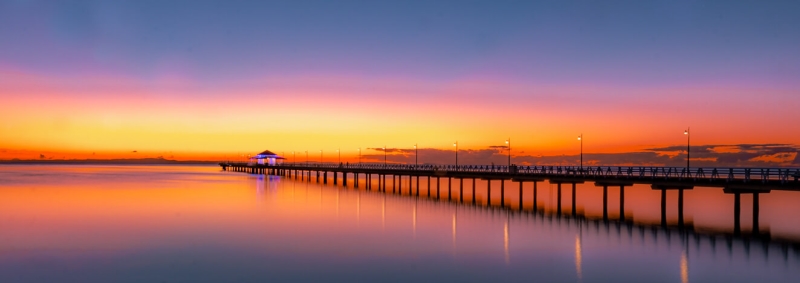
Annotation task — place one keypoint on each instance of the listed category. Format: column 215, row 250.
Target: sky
column 217, row 80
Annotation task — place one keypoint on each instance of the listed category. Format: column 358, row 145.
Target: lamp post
column 688, row 147
column 580, row 138
column 384, row 156
column 416, row 156
column 508, row 142
column 456, row 145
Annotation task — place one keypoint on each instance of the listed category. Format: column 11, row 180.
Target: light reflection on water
column 197, row 224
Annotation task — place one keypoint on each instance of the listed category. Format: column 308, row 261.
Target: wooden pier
column 734, row 181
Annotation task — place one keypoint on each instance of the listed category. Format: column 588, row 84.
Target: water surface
column 199, row 224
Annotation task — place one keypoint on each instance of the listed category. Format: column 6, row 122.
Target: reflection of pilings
column 764, row 242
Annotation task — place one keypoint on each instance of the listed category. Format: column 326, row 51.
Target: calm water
column 199, row 224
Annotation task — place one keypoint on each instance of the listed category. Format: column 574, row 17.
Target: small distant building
column 268, row 158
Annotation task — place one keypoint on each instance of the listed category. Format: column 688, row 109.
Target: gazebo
column 268, row 157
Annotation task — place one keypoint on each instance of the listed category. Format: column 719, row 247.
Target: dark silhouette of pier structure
column 736, row 181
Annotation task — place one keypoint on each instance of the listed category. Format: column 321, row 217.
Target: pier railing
column 711, row 174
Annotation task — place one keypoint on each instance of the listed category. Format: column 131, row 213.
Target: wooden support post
column 755, row 214
column 488, row 192
column 400, row 184
column 429, row 186
column 605, row 202
column 558, row 197
column 535, row 200
column 449, row 187
column 622, row 203
column 438, row 191
column 417, row 185
column 502, row 193
column 474, row 199
column 737, row 207
column 520, row 195
column 461, row 189
column 680, row 208
column 664, row 208
column 574, row 196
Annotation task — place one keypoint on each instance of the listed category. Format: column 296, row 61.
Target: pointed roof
column 270, row 154
column 266, row 152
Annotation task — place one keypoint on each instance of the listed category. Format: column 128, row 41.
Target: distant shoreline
column 137, row 161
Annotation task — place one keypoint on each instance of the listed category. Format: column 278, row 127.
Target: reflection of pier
column 687, row 239
column 406, row 181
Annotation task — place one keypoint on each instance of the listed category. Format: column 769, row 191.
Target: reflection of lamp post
column 384, row 156
column 508, row 142
column 580, row 138
column 688, row 147
column 456, row 145
column 416, row 156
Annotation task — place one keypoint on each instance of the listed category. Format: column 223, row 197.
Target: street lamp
column 384, row 156
column 456, row 145
column 508, row 142
column 580, row 138
column 688, row 147
column 416, row 156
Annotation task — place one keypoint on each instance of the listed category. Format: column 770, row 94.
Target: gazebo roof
column 267, row 152
column 270, row 154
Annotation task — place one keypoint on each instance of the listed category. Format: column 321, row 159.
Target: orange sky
column 114, row 116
